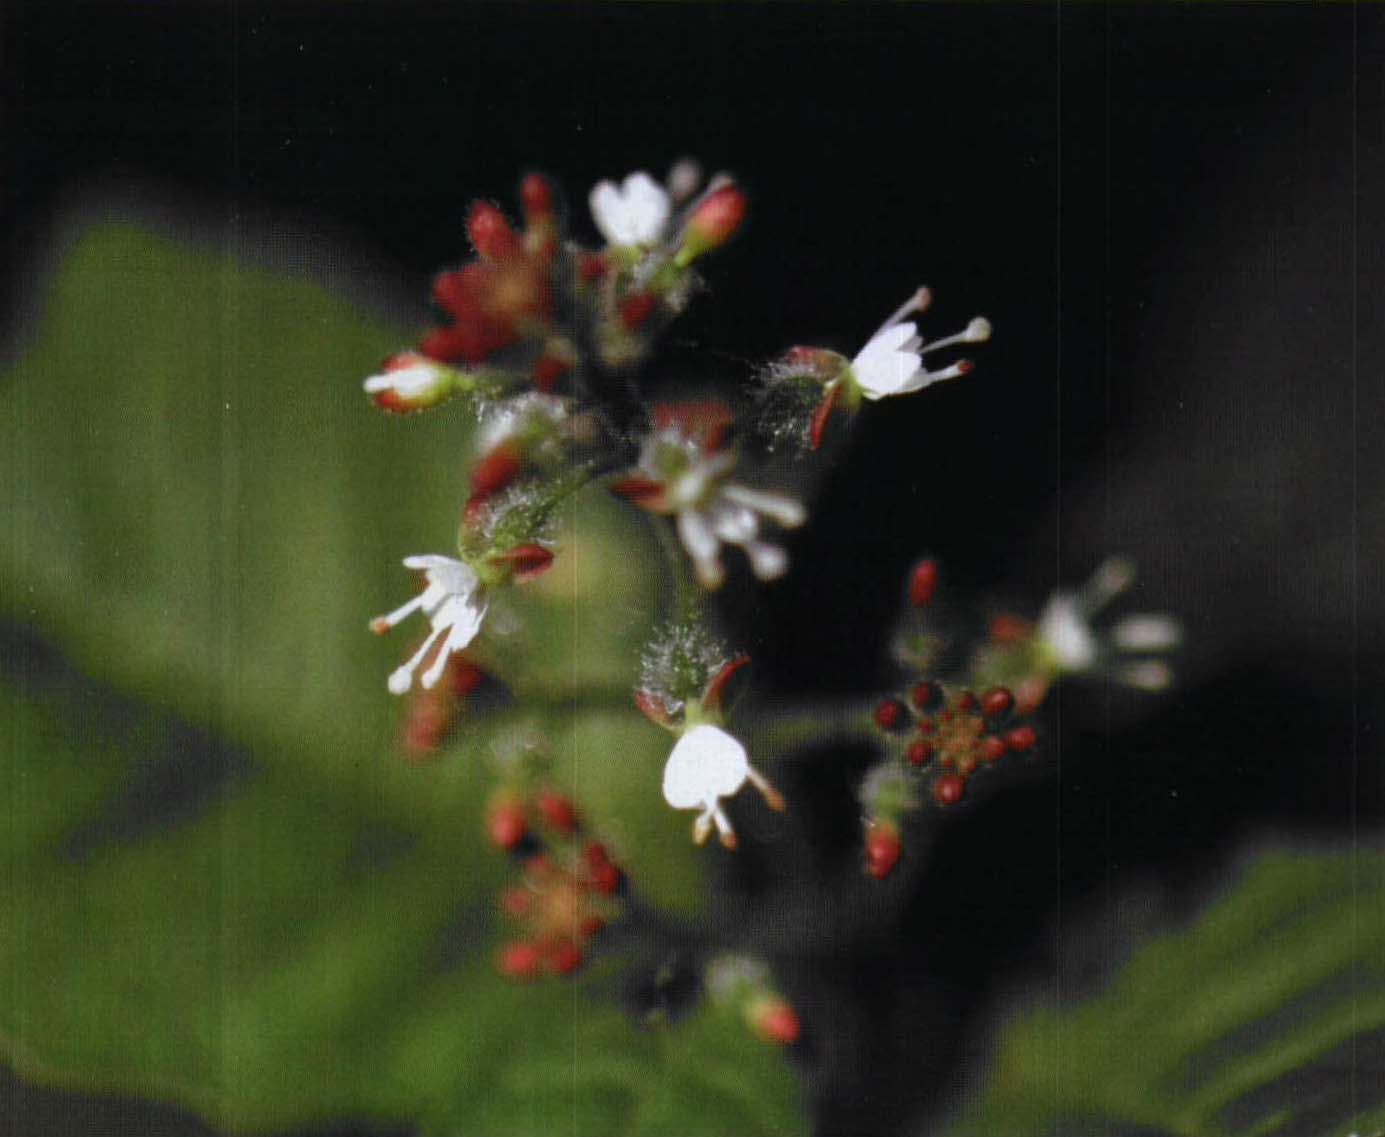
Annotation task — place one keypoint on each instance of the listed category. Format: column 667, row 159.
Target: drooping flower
column 634, row 213
column 677, row 477
column 892, row 362
column 706, row 765
column 454, row 601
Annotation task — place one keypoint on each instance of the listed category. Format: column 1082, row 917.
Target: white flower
column 706, row 765
column 454, row 602
column 1073, row 645
column 891, row 363
column 635, row 213
column 711, row 512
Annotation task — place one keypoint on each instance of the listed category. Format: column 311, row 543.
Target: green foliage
column 223, row 887
column 1266, row 1016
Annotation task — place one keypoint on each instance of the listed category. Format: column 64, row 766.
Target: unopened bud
column 882, row 849
column 773, row 1020
column 711, row 224
column 490, row 233
column 923, row 581
column 409, row 382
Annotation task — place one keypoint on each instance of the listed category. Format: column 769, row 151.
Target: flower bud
column 556, row 810
column 923, row 581
column 518, row 961
column 495, row 470
column 947, row 790
column 712, row 222
column 408, row 382
column 490, row 233
column 537, row 198
column 771, row 1019
column 506, row 824
column 882, row 849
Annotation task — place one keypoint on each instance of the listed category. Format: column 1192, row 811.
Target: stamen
column 382, row 624
column 961, row 367
column 773, row 798
column 916, row 303
column 782, row 510
column 768, row 562
column 702, row 828
column 978, row 331
column 725, row 834
column 411, row 665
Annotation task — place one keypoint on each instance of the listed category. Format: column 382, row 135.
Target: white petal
column 1146, row 632
column 1065, row 631
column 782, row 510
column 409, row 382
column 634, row 214
column 705, row 764
column 885, row 366
column 454, row 577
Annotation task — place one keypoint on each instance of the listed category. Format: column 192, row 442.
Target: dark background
column 1175, row 219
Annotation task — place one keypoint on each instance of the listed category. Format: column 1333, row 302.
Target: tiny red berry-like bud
column 506, row 824
column 996, row 701
column 1021, row 738
column 547, row 371
column 1008, row 629
column 947, row 790
column 773, row 1020
column 923, row 580
column 716, row 217
column 536, row 197
column 927, row 726
column 882, row 849
column 495, row 470
column 590, row 926
column 966, row 763
column 490, row 233
column 635, row 309
column 919, row 752
column 563, row 956
column 889, row 714
column 518, row 961
column 925, row 695
column 605, row 877
column 966, row 701
column 557, row 810
column 590, row 267
column 466, row 677
column 991, row 748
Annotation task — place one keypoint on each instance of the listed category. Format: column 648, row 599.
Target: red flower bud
column 536, row 197
column 996, row 701
column 712, row 222
column 490, row 233
column 516, row 901
column 590, row 267
column 635, row 309
column 547, row 371
column 882, row 848
column 563, row 956
column 506, row 824
column 557, row 810
column 925, row 695
column 888, row 714
column 495, row 470
column 922, row 582
column 773, row 1020
column 1021, row 738
column 947, row 790
column 991, row 748
column 1008, row 629
column 518, row 961
column 919, row 752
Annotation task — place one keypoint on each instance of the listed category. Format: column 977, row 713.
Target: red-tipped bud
column 882, row 848
column 773, row 1020
column 923, row 581
column 466, row 677
column 925, row 695
column 889, row 714
column 408, row 381
column 557, row 810
column 537, row 198
column 563, row 956
column 919, row 752
column 966, row 701
column 604, row 874
column 506, row 825
column 1021, row 738
column 644, row 492
column 525, row 561
column 996, row 701
column 947, row 790
column 490, row 233
column 518, row 961
column 547, row 371
column 496, row 469
column 590, row 267
column 635, row 309
column 991, row 748
column 1008, row 630
column 712, row 222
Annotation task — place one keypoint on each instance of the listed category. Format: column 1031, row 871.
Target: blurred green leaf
column 203, row 510
column 1266, row 1016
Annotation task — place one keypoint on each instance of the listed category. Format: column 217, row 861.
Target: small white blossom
column 892, row 363
column 454, row 601
column 710, row 511
column 634, row 213
column 1073, row 644
column 706, row 765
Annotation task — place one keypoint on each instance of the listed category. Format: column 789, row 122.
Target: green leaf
column 221, row 886
column 1266, row 1016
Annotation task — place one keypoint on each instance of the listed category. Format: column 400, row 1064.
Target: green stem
column 779, row 730
column 687, row 597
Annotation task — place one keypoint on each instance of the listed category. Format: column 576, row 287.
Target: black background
column 1175, row 219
